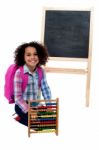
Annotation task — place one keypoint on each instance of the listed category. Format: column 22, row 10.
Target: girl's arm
column 46, row 92
column 18, row 94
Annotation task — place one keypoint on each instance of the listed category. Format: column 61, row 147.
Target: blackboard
column 66, row 33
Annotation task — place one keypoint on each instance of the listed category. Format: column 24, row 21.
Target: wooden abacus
column 43, row 118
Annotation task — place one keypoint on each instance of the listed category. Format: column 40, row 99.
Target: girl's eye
column 35, row 54
column 28, row 54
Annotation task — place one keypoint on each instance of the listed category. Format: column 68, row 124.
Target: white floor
column 78, row 125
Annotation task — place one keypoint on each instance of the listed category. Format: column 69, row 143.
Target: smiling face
column 31, row 58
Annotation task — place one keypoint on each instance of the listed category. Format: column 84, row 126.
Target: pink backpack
column 9, row 81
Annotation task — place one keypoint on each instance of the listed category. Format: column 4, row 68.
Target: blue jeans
column 22, row 115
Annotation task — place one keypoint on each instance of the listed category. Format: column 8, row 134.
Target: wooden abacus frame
column 47, row 123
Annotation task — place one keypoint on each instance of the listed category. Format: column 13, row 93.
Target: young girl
column 30, row 56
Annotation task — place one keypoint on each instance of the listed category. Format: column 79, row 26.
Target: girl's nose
column 33, row 56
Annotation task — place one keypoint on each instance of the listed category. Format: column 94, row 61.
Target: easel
column 44, row 118
column 86, row 71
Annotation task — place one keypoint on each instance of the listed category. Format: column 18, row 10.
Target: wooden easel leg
column 89, row 61
column 88, row 88
column 87, row 97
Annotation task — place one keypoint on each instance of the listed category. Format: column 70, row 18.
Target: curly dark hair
column 41, row 51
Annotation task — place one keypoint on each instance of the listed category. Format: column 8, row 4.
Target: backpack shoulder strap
column 40, row 75
column 24, row 77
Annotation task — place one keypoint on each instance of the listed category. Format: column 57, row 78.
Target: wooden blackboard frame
column 86, row 71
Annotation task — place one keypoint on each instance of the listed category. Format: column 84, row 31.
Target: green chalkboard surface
column 66, row 33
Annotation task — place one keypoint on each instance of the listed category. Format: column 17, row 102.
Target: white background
column 21, row 21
